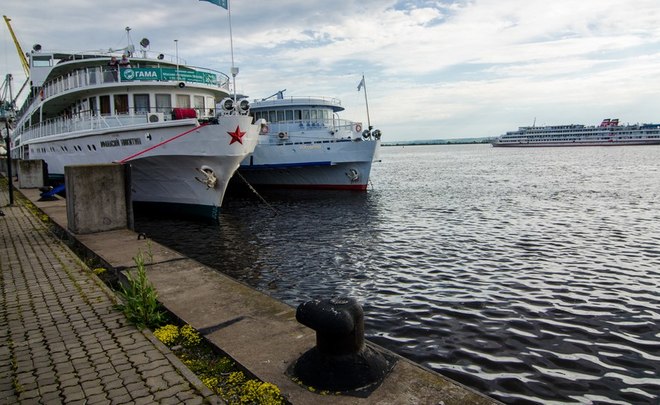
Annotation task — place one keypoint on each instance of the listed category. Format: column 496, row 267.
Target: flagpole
column 234, row 70
column 364, row 84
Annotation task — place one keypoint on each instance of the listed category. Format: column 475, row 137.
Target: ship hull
column 329, row 165
column 176, row 164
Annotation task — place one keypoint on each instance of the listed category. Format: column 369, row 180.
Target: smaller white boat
column 306, row 145
column 608, row 133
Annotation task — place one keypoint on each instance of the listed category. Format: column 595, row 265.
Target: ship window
column 280, row 116
column 313, row 115
column 198, row 103
column 272, row 116
column 105, row 104
column 141, row 102
column 121, row 103
column 305, row 115
column 210, row 102
column 42, row 61
column 289, row 115
column 297, row 114
column 92, row 105
column 163, row 103
column 183, row 101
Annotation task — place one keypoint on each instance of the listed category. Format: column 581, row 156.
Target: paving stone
column 73, row 393
column 51, row 398
column 156, row 384
column 58, row 326
column 120, row 392
column 88, row 374
column 48, row 388
column 154, row 365
column 47, row 379
column 140, row 392
column 169, row 400
column 190, row 400
column 113, row 383
column 27, row 395
column 106, row 372
column 148, row 400
column 98, row 399
column 92, row 387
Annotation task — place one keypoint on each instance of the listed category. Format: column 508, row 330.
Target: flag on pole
column 361, row 83
column 221, row 3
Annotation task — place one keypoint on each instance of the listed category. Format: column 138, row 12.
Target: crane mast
column 21, row 54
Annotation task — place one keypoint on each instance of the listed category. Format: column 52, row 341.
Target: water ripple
column 530, row 275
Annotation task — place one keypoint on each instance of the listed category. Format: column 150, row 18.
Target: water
column 530, row 275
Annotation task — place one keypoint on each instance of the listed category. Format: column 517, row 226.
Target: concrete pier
column 259, row 332
column 32, row 173
column 98, row 198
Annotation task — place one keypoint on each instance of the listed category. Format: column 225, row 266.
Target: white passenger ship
column 157, row 115
column 306, row 145
column 608, row 133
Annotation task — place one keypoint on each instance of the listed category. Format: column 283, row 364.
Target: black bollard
column 338, row 322
column 340, row 361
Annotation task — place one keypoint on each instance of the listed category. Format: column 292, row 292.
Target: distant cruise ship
column 608, row 133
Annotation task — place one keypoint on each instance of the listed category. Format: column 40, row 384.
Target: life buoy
column 264, row 129
column 358, row 128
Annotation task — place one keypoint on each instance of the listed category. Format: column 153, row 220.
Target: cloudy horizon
column 433, row 69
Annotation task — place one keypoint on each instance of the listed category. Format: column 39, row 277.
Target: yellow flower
column 167, row 334
column 190, row 337
column 236, row 378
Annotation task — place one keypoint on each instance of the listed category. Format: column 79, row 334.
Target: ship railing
column 85, row 122
column 99, row 75
column 312, row 131
column 305, row 100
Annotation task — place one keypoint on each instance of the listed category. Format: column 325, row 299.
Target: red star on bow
column 236, row 136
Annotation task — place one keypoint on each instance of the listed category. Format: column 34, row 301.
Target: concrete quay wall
column 256, row 330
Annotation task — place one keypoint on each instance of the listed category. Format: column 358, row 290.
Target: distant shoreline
column 463, row 141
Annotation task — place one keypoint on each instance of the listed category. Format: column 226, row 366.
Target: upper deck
column 283, row 103
column 56, row 74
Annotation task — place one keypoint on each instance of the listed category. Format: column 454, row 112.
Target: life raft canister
column 358, row 127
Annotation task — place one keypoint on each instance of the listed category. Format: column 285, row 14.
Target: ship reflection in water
column 530, row 275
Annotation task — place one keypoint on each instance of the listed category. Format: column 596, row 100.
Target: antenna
column 279, row 94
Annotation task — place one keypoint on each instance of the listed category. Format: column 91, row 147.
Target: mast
column 234, row 69
column 366, row 101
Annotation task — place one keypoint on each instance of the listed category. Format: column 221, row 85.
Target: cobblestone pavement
column 61, row 341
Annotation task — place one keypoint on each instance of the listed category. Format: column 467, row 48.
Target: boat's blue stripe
column 285, row 165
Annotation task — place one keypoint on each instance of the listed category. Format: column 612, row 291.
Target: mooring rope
column 256, row 192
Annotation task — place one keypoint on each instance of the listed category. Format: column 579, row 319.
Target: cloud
column 460, row 68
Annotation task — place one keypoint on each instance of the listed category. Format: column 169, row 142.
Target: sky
column 433, row 69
